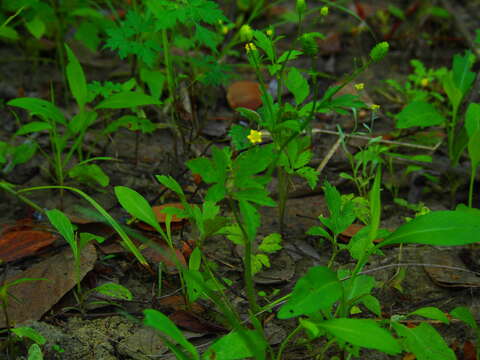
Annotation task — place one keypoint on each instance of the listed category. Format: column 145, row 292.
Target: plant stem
column 248, row 277
column 470, row 188
column 287, row 340
column 282, row 196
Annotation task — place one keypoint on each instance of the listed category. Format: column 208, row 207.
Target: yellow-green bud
column 246, row 33
column 324, row 11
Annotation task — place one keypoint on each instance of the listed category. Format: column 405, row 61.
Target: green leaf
column 136, row 205
column 250, row 114
column 160, row 322
column 474, row 148
column 64, row 226
column 431, row 312
column 36, row 26
column 439, row 228
column 233, row 347
column 115, row 291
column 465, row 314
column 372, row 304
column 454, row 94
column 250, row 217
column 127, row 99
column 309, row 174
column 424, row 341
column 32, row 127
column 364, row 333
column 318, row 231
column 419, row 113
column 239, row 135
column 472, row 118
column 271, row 243
column 462, row 75
column 357, row 287
column 253, row 161
column 90, row 174
column 24, row 152
column 265, row 43
column 34, row 351
column 154, row 79
column 8, row 32
column 76, row 78
column 297, row 85
column 318, row 290
column 29, row 333
column 42, row 108
column 170, row 183
column 258, row 196
column 379, row 51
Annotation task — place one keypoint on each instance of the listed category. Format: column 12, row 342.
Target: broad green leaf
column 233, row 347
column 39, row 107
column 34, row 352
column 160, row 322
column 424, row 341
column 86, row 237
column 115, row 291
column 357, row 287
column 439, row 228
column 154, row 79
column 372, row 304
column 195, row 259
column 90, row 174
column 253, row 161
column 474, row 148
column 472, row 118
column 136, row 205
column 30, row 333
column 465, row 314
column 64, row 226
column 22, row 153
column 36, row 26
column 462, row 75
column 419, row 113
column 431, row 312
column 318, row 231
column 454, row 94
column 365, row 333
column 8, row 32
column 76, row 78
column 297, row 85
column 318, row 289
column 127, row 99
column 32, row 127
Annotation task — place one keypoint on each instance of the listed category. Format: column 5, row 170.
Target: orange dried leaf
column 244, row 94
column 16, row 245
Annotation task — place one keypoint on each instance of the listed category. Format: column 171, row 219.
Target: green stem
column 470, row 188
column 282, row 196
column 22, row 198
column 248, row 277
column 287, row 340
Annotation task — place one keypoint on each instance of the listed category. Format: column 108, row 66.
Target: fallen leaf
column 191, row 322
column 16, row 245
column 469, row 351
column 37, row 297
column 244, row 94
column 176, row 222
column 177, row 302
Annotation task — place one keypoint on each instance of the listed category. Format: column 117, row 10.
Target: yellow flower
column 324, row 11
column 250, row 47
column 269, row 32
column 424, row 82
column 359, row 86
column 255, row 136
column 374, row 107
column 225, row 29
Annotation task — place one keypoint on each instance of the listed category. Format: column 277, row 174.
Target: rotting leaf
column 36, row 298
column 15, row 245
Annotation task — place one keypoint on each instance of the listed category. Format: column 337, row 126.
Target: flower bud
column 324, row 11
column 379, row 51
column 246, row 33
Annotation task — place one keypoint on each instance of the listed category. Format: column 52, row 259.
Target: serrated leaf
column 297, row 85
column 419, row 113
column 424, row 341
column 271, row 243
